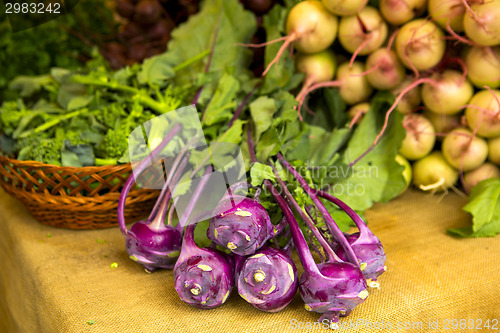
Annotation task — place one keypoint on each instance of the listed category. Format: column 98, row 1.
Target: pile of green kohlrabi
column 288, row 135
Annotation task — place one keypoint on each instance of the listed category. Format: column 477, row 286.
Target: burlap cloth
column 55, row 280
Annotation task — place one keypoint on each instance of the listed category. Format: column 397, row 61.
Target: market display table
column 55, row 280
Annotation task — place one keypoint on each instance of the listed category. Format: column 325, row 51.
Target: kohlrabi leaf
column 222, row 104
column 233, row 134
column 260, row 172
column 156, row 70
column 376, row 177
column 269, row 145
column 230, row 23
column 325, row 145
column 484, row 206
column 262, row 111
column 200, row 234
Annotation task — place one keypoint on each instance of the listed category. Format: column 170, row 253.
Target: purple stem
column 159, row 219
column 349, row 211
column 173, row 168
column 280, row 226
column 298, row 238
column 364, row 232
column 251, row 146
column 138, row 170
column 242, row 105
column 288, row 247
column 337, row 233
column 307, row 219
column 209, row 62
column 315, row 248
column 197, row 192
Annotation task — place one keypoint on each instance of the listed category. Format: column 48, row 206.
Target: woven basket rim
column 54, row 166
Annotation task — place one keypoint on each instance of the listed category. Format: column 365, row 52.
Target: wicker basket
column 71, row 197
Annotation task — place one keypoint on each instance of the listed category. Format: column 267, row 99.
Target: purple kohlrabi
column 333, row 288
column 203, row 277
column 241, row 224
column 267, row 280
column 152, row 243
column 365, row 244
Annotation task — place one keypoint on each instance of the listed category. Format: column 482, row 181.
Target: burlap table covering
column 55, row 280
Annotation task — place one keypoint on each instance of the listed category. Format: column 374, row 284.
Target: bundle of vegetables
column 297, row 141
column 240, row 231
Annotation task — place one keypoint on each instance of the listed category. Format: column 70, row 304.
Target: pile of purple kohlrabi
column 245, row 253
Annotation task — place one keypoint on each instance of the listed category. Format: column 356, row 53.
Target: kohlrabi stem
column 305, row 255
column 349, row 211
column 158, row 222
column 139, row 169
column 197, row 192
column 307, row 219
column 242, row 105
column 173, row 169
column 210, row 56
column 188, row 244
column 337, row 233
column 251, row 146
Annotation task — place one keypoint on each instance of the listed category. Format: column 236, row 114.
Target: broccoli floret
column 115, row 142
column 11, row 114
column 38, row 148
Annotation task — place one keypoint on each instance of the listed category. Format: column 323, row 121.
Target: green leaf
column 326, row 148
column 200, row 234
column 29, row 85
column 269, row 145
column 286, row 103
column 182, row 185
column 336, row 107
column 83, row 152
column 223, row 101
column 260, row 172
column 70, row 91
column 282, row 75
column 377, row 177
column 234, row 133
column 60, row 74
column 262, row 111
column 484, row 206
column 68, row 158
column 230, row 22
column 79, row 102
column 156, row 70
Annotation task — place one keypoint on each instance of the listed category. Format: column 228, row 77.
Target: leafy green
column 484, row 206
column 282, row 75
column 377, row 177
column 229, row 23
column 156, row 70
column 260, row 172
column 262, row 111
column 220, row 107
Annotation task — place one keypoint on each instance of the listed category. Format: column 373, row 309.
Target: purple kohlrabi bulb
column 370, row 253
column 153, row 248
column 267, row 280
column 240, row 224
column 203, row 277
column 337, row 290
